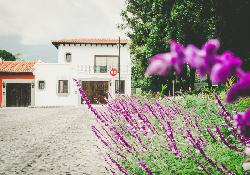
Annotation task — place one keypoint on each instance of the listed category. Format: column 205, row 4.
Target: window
column 122, row 86
column 68, row 57
column 104, row 62
column 63, row 87
column 41, row 85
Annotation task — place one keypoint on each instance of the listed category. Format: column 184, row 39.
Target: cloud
column 37, row 22
column 46, row 53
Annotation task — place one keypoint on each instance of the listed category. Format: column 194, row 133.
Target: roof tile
column 17, row 66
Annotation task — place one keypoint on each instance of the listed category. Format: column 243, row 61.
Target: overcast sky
column 28, row 26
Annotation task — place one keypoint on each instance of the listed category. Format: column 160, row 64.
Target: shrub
column 243, row 104
column 170, row 136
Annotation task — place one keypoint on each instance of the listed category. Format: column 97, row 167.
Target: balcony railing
column 101, row 69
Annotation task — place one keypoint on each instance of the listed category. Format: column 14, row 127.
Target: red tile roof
column 89, row 41
column 17, row 66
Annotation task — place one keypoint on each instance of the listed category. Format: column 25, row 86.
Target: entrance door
column 96, row 91
column 18, row 94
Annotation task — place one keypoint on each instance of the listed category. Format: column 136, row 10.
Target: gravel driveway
column 48, row 141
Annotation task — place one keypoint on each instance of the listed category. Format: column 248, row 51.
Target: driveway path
column 48, row 141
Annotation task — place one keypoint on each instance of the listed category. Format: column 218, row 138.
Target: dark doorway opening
column 18, row 94
column 96, row 91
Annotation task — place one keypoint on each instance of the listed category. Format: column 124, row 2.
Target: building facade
column 91, row 61
column 17, row 84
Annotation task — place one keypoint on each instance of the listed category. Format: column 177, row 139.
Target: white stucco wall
column 81, row 55
column 51, row 73
column 85, row 54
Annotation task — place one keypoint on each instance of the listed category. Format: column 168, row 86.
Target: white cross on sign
column 113, row 72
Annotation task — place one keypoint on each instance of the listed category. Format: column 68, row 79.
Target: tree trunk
column 192, row 78
column 209, row 83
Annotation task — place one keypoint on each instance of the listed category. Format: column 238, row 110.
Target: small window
column 68, row 57
column 63, row 87
column 122, row 86
column 41, row 85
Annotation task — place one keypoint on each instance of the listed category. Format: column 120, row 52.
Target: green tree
column 192, row 22
column 7, row 56
column 233, row 27
column 152, row 23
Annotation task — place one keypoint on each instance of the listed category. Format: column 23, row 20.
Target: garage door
column 18, row 94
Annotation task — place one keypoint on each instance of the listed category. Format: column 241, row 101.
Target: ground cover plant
column 183, row 136
column 207, row 61
column 180, row 135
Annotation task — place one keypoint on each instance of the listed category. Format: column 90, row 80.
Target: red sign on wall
column 113, row 72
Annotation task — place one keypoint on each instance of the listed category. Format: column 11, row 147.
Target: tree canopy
column 151, row 23
column 7, row 56
column 233, row 27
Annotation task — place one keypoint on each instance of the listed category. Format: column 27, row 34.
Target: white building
column 88, row 60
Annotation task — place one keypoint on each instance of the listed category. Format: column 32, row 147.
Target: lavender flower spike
column 242, row 120
column 225, row 68
column 211, row 47
column 203, row 60
column 240, row 89
column 159, row 64
column 203, row 168
column 122, row 169
column 144, row 167
column 194, row 56
column 178, row 59
column 162, row 63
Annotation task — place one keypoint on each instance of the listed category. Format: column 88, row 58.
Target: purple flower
column 199, row 147
column 239, row 89
column 225, row 68
column 203, row 60
column 177, row 48
column 220, row 73
column 225, row 141
column 194, row 56
column 209, row 57
column 247, row 151
column 203, row 168
column 211, row 47
column 144, row 167
column 227, row 170
column 242, row 120
column 159, row 64
column 172, row 143
column 162, row 63
column 178, row 59
column 211, row 134
column 122, row 169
